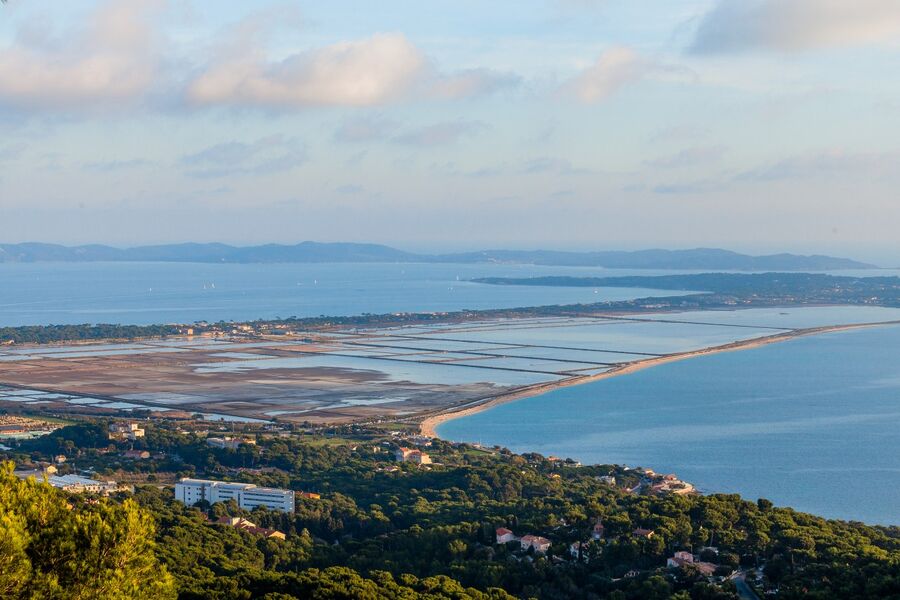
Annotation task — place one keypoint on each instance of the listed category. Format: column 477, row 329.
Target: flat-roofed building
column 125, row 431
column 247, row 495
column 71, row 483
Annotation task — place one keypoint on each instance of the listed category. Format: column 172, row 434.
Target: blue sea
column 151, row 293
column 812, row 423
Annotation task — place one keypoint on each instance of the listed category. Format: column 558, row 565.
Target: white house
column 247, row 495
column 504, row 535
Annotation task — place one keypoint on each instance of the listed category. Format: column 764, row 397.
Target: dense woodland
column 43, row 334
column 428, row 532
column 743, row 288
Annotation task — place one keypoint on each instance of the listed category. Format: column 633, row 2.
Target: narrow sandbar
column 428, row 425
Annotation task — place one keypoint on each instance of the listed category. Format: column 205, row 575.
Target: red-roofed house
column 505, row 535
column 538, row 543
column 412, row 455
column 680, row 559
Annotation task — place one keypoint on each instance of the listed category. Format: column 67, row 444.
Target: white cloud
column 350, row 189
column 266, row 155
column 689, row 157
column 12, row 151
column 735, row 25
column 440, row 134
column 846, row 165
column 613, row 70
column 364, row 72
column 109, row 166
column 473, row 82
column 550, row 164
column 688, row 188
column 119, row 56
column 113, row 59
column 367, row 128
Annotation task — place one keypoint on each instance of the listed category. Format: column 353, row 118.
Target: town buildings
column 15, row 427
column 125, row 431
column 247, row 495
column 526, row 542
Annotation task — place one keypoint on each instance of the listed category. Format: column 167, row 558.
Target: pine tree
column 50, row 548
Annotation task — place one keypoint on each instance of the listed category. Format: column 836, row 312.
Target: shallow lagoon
column 812, row 423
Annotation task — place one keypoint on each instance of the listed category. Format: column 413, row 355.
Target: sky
column 755, row 125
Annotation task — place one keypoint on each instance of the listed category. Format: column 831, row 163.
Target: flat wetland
column 432, row 372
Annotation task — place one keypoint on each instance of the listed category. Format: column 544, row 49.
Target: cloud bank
column 114, row 58
column 614, row 69
column 266, row 155
column 786, row 25
column 365, row 72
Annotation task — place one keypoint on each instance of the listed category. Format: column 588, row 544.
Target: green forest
column 382, row 529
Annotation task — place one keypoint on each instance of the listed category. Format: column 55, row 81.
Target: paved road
column 744, row 590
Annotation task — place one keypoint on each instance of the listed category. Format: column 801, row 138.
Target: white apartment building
column 247, row 495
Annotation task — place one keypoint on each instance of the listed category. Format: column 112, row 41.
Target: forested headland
column 381, row 529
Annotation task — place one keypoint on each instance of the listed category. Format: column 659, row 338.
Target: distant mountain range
column 314, row 252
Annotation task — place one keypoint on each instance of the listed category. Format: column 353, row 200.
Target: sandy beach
column 428, row 425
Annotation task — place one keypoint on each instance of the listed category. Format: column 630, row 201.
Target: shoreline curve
column 428, row 425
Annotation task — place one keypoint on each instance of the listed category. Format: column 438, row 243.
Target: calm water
column 812, row 423
column 147, row 293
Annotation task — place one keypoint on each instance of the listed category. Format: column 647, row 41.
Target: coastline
column 428, row 425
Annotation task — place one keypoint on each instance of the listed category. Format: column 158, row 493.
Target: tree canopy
column 55, row 547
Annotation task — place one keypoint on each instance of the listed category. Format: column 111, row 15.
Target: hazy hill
column 314, row 252
column 308, row 252
column 699, row 258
